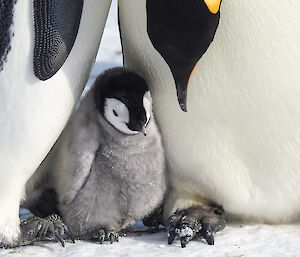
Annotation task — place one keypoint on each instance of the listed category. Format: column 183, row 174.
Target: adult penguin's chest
column 49, row 47
column 239, row 142
column 242, row 141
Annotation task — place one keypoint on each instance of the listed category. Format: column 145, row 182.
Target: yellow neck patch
column 213, row 5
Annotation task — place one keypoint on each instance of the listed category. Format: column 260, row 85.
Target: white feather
column 117, row 114
column 147, row 102
column 114, row 106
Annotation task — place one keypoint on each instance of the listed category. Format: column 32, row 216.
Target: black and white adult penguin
column 47, row 50
column 238, row 144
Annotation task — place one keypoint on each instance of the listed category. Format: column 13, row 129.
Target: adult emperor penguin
column 47, row 50
column 238, row 144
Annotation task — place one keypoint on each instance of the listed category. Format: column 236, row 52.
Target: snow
column 235, row 240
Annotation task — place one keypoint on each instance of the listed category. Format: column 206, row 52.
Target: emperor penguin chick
column 109, row 164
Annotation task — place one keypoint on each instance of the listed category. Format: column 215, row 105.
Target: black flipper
column 56, row 24
column 6, row 21
column 181, row 31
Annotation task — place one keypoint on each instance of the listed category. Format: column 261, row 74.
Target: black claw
column 173, row 223
column 171, row 237
column 210, row 239
column 69, row 234
column 42, row 230
column 101, row 239
column 59, row 237
column 208, row 234
column 184, row 242
column 102, row 236
column 111, row 238
column 189, row 233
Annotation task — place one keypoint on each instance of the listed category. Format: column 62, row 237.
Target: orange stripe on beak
column 192, row 73
column 213, row 5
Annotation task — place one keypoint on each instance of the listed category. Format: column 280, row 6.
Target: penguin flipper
column 56, row 23
column 80, row 169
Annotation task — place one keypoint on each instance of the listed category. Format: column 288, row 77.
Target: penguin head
column 123, row 99
column 181, row 31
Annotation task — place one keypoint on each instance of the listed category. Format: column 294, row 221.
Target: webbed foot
column 36, row 229
column 201, row 221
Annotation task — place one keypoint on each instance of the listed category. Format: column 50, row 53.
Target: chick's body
column 104, row 178
column 126, row 179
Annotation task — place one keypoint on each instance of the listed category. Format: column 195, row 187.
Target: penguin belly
column 238, row 145
column 33, row 112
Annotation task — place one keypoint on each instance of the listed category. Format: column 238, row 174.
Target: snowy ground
column 234, row 241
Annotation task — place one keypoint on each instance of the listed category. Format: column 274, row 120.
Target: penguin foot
column 50, row 228
column 36, row 229
column 101, row 235
column 155, row 218
column 197, row 221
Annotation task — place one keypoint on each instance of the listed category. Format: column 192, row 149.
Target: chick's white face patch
column 117, row 114
column 147, row 102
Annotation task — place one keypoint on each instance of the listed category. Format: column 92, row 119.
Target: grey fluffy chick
column 107, row 170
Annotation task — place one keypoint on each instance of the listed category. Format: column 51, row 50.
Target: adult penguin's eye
column 115, row 113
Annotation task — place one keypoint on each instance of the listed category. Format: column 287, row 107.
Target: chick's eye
column 115, row 113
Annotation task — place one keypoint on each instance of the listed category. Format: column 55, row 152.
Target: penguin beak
column 181, row 78
column 139, row 127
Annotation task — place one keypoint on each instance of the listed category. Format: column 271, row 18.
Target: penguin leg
column 36, row 229
column 100, row 235
column 201, row 221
